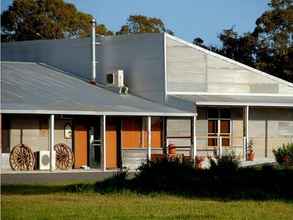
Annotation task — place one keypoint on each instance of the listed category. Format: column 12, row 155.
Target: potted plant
column 198, row 161
column 250, row 152
column 171, row 149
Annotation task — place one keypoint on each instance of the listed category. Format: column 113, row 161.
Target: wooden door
column 111, row 144
column 132, row 132
column 156, row 132
column 80, row 145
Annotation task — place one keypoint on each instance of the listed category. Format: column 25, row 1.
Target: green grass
column 91, row 205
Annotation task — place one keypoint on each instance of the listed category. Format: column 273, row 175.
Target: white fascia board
column 244, row 104
column 165, row 67
column 229, row 94
column 205, row 51
column 58, row 112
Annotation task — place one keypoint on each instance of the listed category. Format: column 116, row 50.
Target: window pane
column 213, row 126
column 225, row 126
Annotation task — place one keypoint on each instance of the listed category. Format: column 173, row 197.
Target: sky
column 187, row 18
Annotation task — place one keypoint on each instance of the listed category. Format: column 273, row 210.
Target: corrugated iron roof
column 37, row 88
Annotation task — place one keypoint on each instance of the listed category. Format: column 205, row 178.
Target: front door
column 94, row 147
column 112, row 143
column 80, row 145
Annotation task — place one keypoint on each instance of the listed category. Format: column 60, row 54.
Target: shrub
column 164, row 174
column 225, row 164
column 284, row 154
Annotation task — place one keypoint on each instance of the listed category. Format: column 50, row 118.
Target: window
column 219, row 126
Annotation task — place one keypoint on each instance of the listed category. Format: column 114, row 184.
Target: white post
column 103, row 142
column 149, row 127
column 193, row 147
column 220, row 146
column 52, row 141
column 93, row 22
column 244, row 148
column 246, row 127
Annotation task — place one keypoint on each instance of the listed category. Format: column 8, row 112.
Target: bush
column 284, row 154
column 225, row 164
column 165, row 174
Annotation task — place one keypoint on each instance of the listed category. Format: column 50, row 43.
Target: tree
column 240, row 48
column 101, row 29
column 143, row 24
column 274, row 31
column 198, row 41
column 43, row 19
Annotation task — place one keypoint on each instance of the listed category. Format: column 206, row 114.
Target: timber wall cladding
column 33, row 131
column 191, row 70
column 134, row 132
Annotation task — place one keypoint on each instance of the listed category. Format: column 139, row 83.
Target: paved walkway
column 55, row 177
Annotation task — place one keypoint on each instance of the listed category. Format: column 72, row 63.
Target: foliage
column 143, row 24
column 225, row 165
column 164, row 174
column 269, row 47
column 45, row 19
column 101, row 29
column 224, row 179
column 284, row 154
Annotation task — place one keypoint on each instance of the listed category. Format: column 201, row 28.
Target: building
column 179, row 93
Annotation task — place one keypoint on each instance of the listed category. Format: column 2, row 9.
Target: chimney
column 93, row 49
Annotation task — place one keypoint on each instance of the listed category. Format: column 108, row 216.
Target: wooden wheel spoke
column 63, row 156
column 22, row 158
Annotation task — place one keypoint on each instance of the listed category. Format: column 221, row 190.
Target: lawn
column 91, row 205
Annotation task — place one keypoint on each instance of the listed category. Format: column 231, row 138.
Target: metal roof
column 41, row 89
column 239, row 100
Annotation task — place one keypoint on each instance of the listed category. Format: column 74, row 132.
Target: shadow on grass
column 46, row 189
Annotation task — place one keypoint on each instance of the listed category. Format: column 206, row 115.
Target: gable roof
column 38, row 88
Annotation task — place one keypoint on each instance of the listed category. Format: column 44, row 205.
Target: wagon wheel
column 64, row 156
column 22, row 158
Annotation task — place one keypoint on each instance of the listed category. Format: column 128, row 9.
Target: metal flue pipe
column 93, row 37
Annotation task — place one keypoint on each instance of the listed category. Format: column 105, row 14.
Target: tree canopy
column 43, row 19
column 143, row 24
column 269, row 47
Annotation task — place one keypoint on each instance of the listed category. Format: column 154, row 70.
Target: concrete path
column 46, row 177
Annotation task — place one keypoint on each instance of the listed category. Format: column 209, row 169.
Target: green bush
column 165, row 174
column 284, row 154
column 225, row 164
